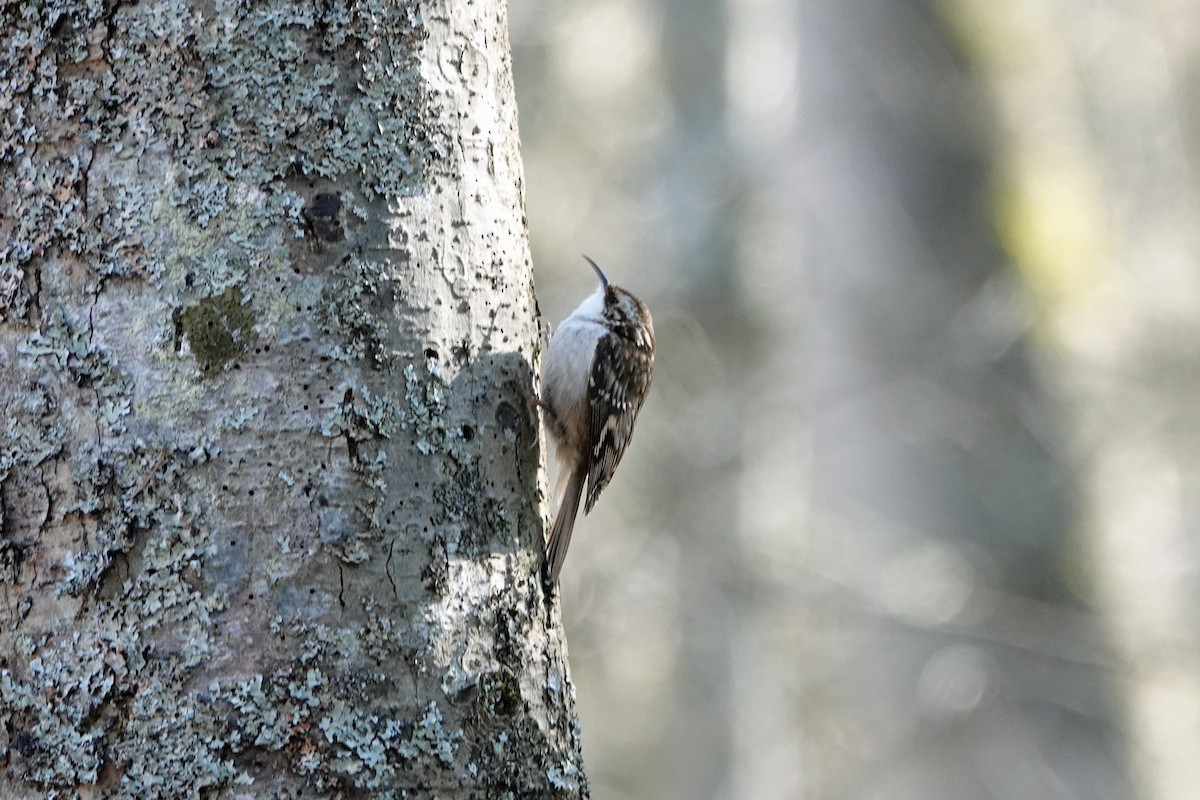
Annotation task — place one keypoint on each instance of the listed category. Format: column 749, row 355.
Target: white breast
column 567, row 367
column 568, row 364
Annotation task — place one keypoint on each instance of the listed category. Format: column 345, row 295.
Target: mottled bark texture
column 271, row 487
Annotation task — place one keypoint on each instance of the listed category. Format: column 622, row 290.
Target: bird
column 595, row 377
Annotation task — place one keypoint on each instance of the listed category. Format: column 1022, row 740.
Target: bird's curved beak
column 603, row 279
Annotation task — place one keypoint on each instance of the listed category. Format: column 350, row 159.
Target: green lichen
column 178, row 751
column 218, row 329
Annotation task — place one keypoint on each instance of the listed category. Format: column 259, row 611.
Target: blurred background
column 912, row 509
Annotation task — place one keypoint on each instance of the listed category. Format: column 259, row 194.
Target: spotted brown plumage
column 595, row 377
column 620, row 378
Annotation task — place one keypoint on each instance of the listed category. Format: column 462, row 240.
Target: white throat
column 590, row 310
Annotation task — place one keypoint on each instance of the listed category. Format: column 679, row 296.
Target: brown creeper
column 594, row 380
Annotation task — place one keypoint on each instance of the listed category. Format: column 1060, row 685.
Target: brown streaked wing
column 617, row 388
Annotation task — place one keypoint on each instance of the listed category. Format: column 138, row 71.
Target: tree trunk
column 272, row 497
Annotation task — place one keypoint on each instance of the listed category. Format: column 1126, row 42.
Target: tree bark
column 271, row 492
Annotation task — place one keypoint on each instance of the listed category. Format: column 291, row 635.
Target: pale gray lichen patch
column 179, row 751
column 428, row 417
column 322, row 723
column 138, row 622
column 113, row 690
column 356, row 307
column 363, row 416
column 63, row 343
column 59, row 749
column 425, row 394
column 33, row 430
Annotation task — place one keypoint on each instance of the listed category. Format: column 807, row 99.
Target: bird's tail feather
column 564, row 523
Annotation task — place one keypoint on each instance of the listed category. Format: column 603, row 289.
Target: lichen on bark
column 270, row 501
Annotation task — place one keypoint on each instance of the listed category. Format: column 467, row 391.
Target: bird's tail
column 564, row 522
